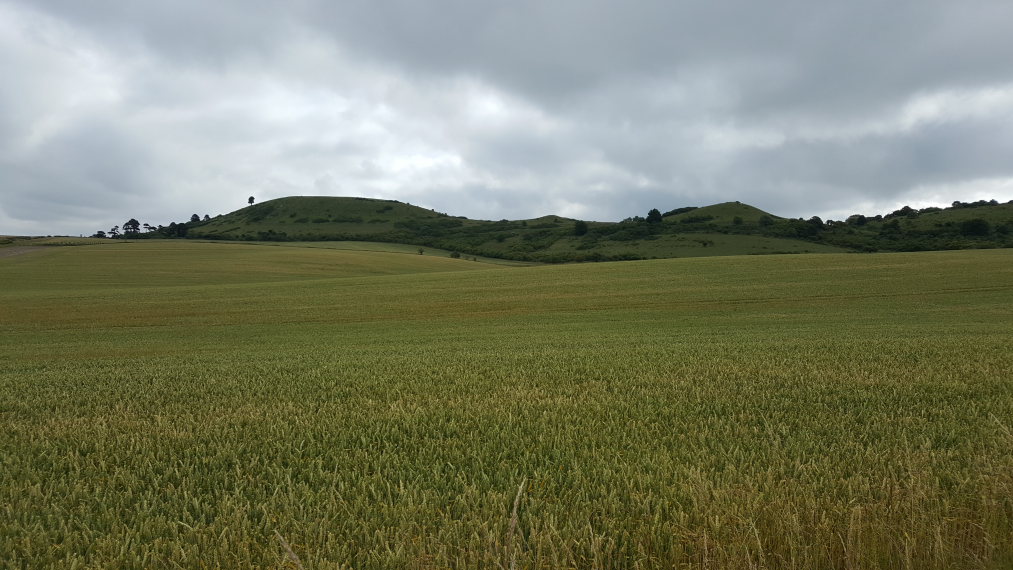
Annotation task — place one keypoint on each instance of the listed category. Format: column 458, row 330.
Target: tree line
column 132, row 229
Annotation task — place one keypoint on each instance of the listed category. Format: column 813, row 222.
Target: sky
column 591, row 109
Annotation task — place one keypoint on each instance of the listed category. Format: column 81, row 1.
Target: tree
column 194, row 219
column 207, row 218
column 99, row 234
column 114, row 232
column 654, row 216
column 251, row 200
column 131, row 227
column 148, row 227
column 579, row 228
column 737, row 221
column 975, row 227
column 766, row 221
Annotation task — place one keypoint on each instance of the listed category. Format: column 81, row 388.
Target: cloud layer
column 597, row 110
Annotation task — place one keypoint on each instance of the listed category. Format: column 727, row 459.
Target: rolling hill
column 546, row 239
column 729, row 228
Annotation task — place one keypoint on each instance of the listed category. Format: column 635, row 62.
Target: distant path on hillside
column 18, row 250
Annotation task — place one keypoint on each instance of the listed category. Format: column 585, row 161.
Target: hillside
column 724, row 213
column 547, row 239
column 729, row 228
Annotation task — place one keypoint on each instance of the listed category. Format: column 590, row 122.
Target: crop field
column 183, row 405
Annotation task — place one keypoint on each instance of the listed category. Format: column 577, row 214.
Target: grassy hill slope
column 710, row 412
column 317, row 217
column 724, row 213
column 549, row 238
column 729, row 228
column 963, row 226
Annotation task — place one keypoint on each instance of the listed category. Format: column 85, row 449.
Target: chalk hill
column 729, row 228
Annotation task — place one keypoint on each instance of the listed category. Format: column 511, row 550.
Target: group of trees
column 132, row 229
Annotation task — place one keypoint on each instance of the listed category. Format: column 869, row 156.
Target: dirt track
column 18, row 250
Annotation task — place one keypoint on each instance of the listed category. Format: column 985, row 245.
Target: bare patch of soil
column 18, row 250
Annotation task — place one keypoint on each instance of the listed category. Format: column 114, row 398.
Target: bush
column 975, row 227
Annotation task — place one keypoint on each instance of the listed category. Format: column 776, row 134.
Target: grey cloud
column 597, row 109
column 87, row 170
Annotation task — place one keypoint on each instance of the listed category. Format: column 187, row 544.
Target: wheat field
column 185, row 405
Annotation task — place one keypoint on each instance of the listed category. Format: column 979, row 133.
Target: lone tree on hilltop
column 251, row 200
column 194, row 219
column 654, row 216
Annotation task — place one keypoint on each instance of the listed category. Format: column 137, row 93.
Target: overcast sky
column 592, row 109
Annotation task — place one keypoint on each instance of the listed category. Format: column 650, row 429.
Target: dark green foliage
column 906, row 211
column 975, row 227
column 678, row 211
column 555, row 239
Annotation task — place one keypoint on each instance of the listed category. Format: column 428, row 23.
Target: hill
column 729, row 228
column 725, row 213
column 974, row 225
column 546, row 239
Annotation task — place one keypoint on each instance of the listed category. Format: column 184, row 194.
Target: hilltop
column 547, row 238
column 729, row 228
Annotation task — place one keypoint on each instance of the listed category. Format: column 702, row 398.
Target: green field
column 171, row 404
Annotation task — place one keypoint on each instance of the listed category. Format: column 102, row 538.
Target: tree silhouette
column 131, row 227
column 251, row 200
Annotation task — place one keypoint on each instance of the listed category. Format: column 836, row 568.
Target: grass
column 695, row 245
column 169, row 263
column 811, row 411
column 723, row 213
column 390, row 248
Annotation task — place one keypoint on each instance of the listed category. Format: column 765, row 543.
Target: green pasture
column 691, row 245
column 176, row 404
